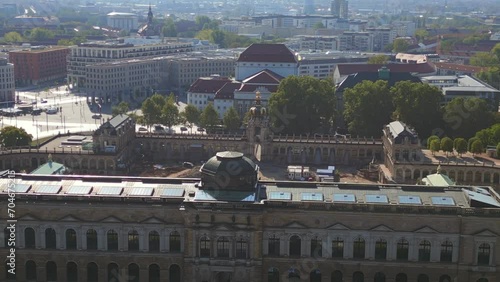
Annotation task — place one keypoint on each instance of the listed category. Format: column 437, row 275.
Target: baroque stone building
column 228, row 226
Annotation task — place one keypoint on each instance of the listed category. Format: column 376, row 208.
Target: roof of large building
column 351, row 80
column 227, row 91
column 459, row 67
column 232, row 163
column 50, row 167
column 275, row 53
column 399, row 129
column 264, row 77
column 208, row 84
column 424, row 68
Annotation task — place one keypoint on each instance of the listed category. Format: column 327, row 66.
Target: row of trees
column 460, row 145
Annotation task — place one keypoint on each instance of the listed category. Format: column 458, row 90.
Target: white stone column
column 102, row 236
column 60, row 238
column 412, row 250
column 40, row 237
column 265, row 245
column 20, row 239
column 163, row 240
column 435, row 250
column 348, row 247
column 143, row 240
column 391, row 249
column 123, row 239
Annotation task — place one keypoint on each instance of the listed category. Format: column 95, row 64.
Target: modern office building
column 123, row 21
column 340, row 8
column 462, row 86
column 38, row 64
column 7, row 84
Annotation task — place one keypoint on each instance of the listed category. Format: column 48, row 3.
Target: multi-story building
column 462, row 86
column 357, row 41
column 86, row 54
column 404, row 28
column 340, row 8
column 323, row 65
column 7, row 85
column 124, row 21
column 229, row 226
column 275, row 57
column 323, row 43
column 382, row 37
column 203, row 90
column 34, row 65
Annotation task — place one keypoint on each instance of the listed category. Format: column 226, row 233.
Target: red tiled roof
column 275, row 53
column 347, row 69
column 459, row 67
column 253, row 88
column 264, row 77
column 208, row 84
column 227, row 91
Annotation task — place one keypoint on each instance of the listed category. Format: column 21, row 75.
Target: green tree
column 470, row 142
column 418, row 105
column 477, row 147
column 152, row 109
column 218, row 37
column 491, row 76
column 496, row 51
column 368, row 107
column 121, row 108
column 41, row 34
column 400, row 45
column 498, row 151
column 318, row 25
column 460, row 145
column 11, row 136
column 485, row 136
column 421, row 34
column 430, row 139
column 378, row 60
column 446, row 145
column 169, row 114
column 435, row 146
column 204, row 22
column 13, row 37
column 205, row 34
column 209, row 117
column 191, row 115
column 231, row 119
column 484, row 59
column 302, row 104
column 169, row 29
column 465, row 116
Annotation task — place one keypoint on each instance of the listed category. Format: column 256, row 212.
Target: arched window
column 205, row 247
column 316, row 247
column 315, row 275
column 445, row 278
column 295, row 246
column 133, row 273
column 446, row 251
column 401, row 277
column 9, row 276
column 50, row 238
column 133, row 240
column 113, row 272
column 423, row 278
column 358, row 277
column 29, row 238
column 51, row 271
column 273, row 275
column 175, row 242
column 241, row 248
column 174, row 273
column 71, row 272
column 92, row 239
column 483, row 254
column 154, row 273
column 402, row 250
column 70, row 239
column 31, row 271
column 112, row 240
column 379, row 277
column 337, row 248
column 223, row 247
column 154, row 241
column 358, row 251
column 273, row 246
column 336, row 276
column 424, row 251
column 92, row 272
column 381, row 249
column 293, row 275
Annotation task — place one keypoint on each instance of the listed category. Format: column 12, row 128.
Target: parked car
column 184, row 128
column 43, row 101
column 142, row 129
column 96, row 116
column 201, row 129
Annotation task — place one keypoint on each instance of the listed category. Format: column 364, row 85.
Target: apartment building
column 7, row 85
column 382, row 37
column 37, row 64
column 356, row 41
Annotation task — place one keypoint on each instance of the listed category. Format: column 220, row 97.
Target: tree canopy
column 465, row 116
column 159, row 109
column 302, row 104
column 209, row 117
column 446, row 145
column 191, row 115
column 477, row 147
column 231, row 119
column 418, row 105
column 378, row 59
column 13, row 37
column 121, row 108
column 367, row 108
column 435, row 146
column 460, row 145
column 41, row 34
column 11, row 136
column 400, row 45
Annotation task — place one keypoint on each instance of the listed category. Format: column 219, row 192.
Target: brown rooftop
column 275, row 53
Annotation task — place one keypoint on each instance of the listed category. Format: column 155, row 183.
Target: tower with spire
column 258, row 132
column 150, row 15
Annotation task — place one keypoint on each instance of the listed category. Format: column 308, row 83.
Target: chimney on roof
column 384, row 73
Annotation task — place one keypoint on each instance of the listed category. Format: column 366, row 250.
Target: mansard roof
column 275, row 53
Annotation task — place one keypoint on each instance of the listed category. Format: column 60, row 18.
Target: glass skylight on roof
column 443, row 201
column 172, row 192
column 141, row 191
column 110, row 191
column 412, row 200
column 350, row 198
column 376, row 199
column 19, row 188
column 48, row 189
column 308, row 196
column 79, row 190
column 279, row 196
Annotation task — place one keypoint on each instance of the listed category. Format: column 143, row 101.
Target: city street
column 76, row 114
